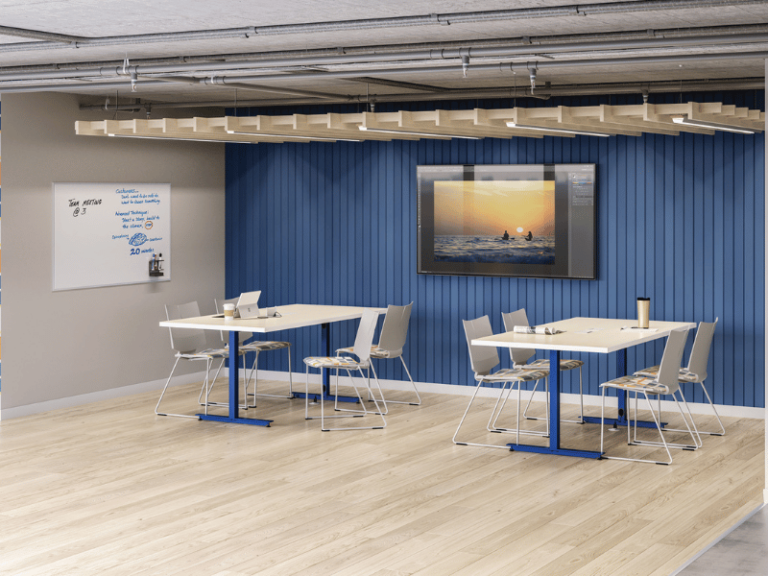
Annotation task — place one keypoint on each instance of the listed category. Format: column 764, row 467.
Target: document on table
column 546, row 330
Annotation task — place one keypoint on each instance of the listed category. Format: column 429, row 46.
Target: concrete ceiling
column 259, row 50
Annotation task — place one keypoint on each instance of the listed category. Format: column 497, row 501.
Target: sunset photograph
column 508, row 221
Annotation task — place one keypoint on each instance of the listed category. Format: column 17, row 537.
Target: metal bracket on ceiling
column 532, row 74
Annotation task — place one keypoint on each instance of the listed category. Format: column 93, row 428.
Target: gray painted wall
column 62, row 344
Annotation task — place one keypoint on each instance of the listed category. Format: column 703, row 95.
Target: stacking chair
column 696, row 370
column 484, row 359
column 520, row 357
column 361, row 349
column 391, row 343
column 189, row 344
column 666, row 383
column 257, row 346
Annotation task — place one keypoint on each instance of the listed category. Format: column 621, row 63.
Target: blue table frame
column 510, row 340
column 292, row 316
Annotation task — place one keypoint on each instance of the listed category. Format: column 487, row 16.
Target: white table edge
column 262, row 325
column 491, row 341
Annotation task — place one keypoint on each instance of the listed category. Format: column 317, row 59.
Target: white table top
column 608, row 336
column 292, row 316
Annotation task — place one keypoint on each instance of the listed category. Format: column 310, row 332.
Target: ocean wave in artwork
column 493, row 249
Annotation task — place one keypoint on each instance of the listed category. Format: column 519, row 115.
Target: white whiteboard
column 106, row 234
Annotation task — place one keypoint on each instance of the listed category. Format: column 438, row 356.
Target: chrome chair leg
column 162, row 394
column 658, row 427
column 464, row 417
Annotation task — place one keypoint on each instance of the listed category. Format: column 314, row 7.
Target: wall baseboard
column 69, row 402
column 589, row 400
column 298, row 381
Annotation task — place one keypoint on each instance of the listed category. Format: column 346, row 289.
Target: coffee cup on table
column 643, row 310
column 229, row 311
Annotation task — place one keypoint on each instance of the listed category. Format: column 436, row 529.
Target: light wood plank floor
column 111, row 489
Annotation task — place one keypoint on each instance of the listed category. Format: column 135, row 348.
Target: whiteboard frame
column 149, row 279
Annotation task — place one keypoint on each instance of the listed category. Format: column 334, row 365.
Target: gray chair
column 361, row 349
column 665, row 383
column 394, row 332
column 484, row 359
column 189, row 344
column 520, row 357
column 696, row 370
column 256, row 346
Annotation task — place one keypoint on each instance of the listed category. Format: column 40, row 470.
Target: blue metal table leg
column 554, row 399
column 234, row 389
column 554, row 419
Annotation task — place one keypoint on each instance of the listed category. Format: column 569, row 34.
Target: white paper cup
column 229, row 311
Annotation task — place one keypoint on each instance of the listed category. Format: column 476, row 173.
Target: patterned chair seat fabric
column 263, row 346
column 204, row 354
column 513, row 375
column 685, row 375
column 637, row 384
column 376, row 352
column 334, row 362
column 565, row 364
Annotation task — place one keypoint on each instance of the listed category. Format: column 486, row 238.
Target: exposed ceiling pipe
column 535, row 44
column 501, row 68
column 476, row 93
column 507, row 66
column 48, row 36
column 377, row 23
column 432, row 54
column 233, row 83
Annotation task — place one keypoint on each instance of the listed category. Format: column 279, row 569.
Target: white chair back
column 517, row 318
column 365, row 332
column 220, row 310
column 395, row 329
column 483, row 358
column 702, row 345
column 669, row 370
column 185, row 340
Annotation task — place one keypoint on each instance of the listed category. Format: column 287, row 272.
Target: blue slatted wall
column 681, row 219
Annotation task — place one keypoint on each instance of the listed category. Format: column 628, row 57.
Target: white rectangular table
column 291, row 316
column 606, row 336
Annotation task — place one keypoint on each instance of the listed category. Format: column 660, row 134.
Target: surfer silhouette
column 529, row 237
column 506, row 235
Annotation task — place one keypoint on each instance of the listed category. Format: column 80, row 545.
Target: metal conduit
column 537, row 43
column 428, row 55
column 506, row 67
column 501, row 68
column 520, row 92
column 64, row 41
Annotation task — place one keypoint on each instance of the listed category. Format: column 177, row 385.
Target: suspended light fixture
column 410, row 133
column 294, row 136
column 182, row 139
column 710, row 125
column 558, row 130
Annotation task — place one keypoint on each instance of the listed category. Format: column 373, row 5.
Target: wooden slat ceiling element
column 632, row 120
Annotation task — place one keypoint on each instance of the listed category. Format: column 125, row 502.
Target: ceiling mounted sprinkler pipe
column 464, row 65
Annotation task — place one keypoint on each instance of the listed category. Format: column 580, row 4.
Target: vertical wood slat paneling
column 679, row 219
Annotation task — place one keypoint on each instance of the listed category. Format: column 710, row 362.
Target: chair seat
column 513, row 375
column 685, row 375
column 263, row 346
column 565, row 364
column 204, row 354
column 637, row 383
column 333, row 362
column 376, row 352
